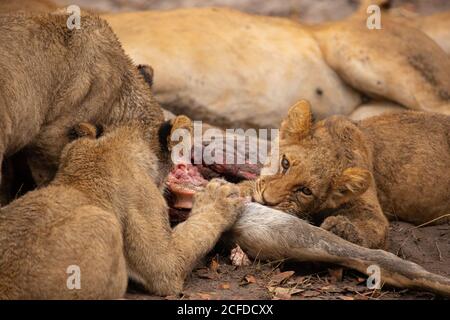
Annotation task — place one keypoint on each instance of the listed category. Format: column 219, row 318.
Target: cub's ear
column 298, row 122
column 85, row 129
column 147, row 73
column 179, row 123
column 171, row 130
column 351, row 184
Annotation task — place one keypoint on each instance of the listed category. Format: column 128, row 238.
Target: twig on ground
column 431, row 221
column 439, row 251
column 417, row 227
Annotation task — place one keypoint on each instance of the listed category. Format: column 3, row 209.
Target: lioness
column 104, row 213
column 226, row 76
column 52, row 77
column 349, row 177
column 246, row 69
column 8, row 6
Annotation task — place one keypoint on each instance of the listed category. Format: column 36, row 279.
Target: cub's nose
column 270, row 192
column 260, row 193
column 267, row 202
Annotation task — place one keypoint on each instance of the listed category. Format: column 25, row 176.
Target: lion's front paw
column 208, row 196
column 221, row 197
column 247, row 188
column 344, row 228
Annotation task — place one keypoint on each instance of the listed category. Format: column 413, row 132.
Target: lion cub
column 105, row 215
column 344, row 175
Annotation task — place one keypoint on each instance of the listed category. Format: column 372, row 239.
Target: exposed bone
column 270, row 234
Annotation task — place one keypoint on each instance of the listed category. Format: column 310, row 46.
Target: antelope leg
column 270, row 234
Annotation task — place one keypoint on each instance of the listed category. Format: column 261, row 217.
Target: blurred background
column 306, row 10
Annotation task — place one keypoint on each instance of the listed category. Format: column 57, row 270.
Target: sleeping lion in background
column 234, row 69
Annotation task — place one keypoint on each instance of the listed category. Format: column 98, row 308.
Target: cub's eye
column 285, row 163
column 305, row 190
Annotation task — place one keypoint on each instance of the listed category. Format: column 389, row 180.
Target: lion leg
column 161, row 258
column 270, row 234
column 382, row 59
column 87, row 246
column 44, row 152
column 362, row 223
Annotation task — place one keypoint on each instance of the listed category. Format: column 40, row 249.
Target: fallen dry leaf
column 225, row 286
column 280, row 278
column 205, row 273
column 247, row 280
column 200, row 296
column 310, row 294
column 332, row 289
column 239, row 258
column 282, row 296
column 360, row 280
column 281, row 293
column 346, row 298
column 296, row 280
column 356, row 289
column 214, row 265
column 336, row 274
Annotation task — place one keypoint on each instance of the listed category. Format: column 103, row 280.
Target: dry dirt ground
column 216, row 278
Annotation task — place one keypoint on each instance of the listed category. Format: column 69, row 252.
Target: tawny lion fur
column 351, row 177
column 105, row 213
column 52, row 78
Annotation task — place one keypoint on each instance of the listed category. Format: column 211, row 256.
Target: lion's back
column 411, row 160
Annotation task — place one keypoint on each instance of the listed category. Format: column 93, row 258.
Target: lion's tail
column 269, row 234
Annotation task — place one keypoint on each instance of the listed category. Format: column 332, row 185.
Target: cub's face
column 315, row 171
column 302, row 184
